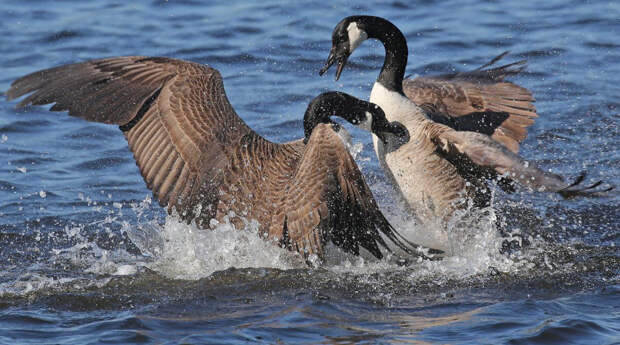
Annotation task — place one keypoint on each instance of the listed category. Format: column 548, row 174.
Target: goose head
column 352, row 31
column 347, row 36
column 365, row 115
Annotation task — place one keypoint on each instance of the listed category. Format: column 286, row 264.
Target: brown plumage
column 203, row 162
column 479, row 101
column 464, row 128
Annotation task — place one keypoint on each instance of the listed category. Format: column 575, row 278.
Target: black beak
column 383, row 128
column 331, row 59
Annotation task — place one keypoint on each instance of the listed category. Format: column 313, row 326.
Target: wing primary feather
column 487, row 154
column 409, row 247
column 570, row 191
column 494, row 60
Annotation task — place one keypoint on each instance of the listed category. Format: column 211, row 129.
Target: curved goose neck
column 334, row 103
column 318, row 111
column 395, row 44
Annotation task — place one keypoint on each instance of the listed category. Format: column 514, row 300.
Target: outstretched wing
column 488, row 154
column 330, row 201
column 478, row 101
column 175, row 116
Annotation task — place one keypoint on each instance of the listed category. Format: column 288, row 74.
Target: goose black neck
column 395, row 44
column 328, row 104
column 319, row 111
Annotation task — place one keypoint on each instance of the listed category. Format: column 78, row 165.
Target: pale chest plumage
column 428, row 183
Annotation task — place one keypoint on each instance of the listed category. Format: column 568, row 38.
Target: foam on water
column 178, row 250
column 472, row 247
column 183, row 251
column 79, row 266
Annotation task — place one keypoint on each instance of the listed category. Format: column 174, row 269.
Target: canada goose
column 464, row 128
column 202, row 161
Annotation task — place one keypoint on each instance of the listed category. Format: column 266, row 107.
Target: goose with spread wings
column 203, row 162
column 464, row 128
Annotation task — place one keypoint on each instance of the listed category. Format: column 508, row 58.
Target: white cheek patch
column 367, row 124
column 356, row 36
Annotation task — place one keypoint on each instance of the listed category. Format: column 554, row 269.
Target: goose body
column 203, row 162
column 428, row 183
column 463, row 128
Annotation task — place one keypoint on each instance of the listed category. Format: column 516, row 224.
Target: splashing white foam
column 355, row 149
column 93, row 259
column 83, row 257
column 470, row 240
column 182, row 251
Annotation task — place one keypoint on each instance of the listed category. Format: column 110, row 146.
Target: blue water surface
column 87, row 258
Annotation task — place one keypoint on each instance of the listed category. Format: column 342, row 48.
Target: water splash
column 182, row 251
column 82, row 265
column 177, row 250
column 470, row 239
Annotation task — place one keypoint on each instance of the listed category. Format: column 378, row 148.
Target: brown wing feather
column 479, row 101
column 486, row 153
column 329, row 200
column 254, row 181
column 174, row 113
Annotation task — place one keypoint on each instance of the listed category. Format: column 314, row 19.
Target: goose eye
column 355, row 121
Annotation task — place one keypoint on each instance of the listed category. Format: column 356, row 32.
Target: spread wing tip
column 494, row 60
column 496, row 74
column 411, row 248
column 575, row 189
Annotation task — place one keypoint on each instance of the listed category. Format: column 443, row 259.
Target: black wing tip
column 578, row 179
column 411, row 248
column 574, row 189
column 496, row 74
column 494, row 60
column 500, row 73
column 421, row 254
column 499, row 57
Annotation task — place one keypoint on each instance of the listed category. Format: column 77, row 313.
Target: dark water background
column 86, row 258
